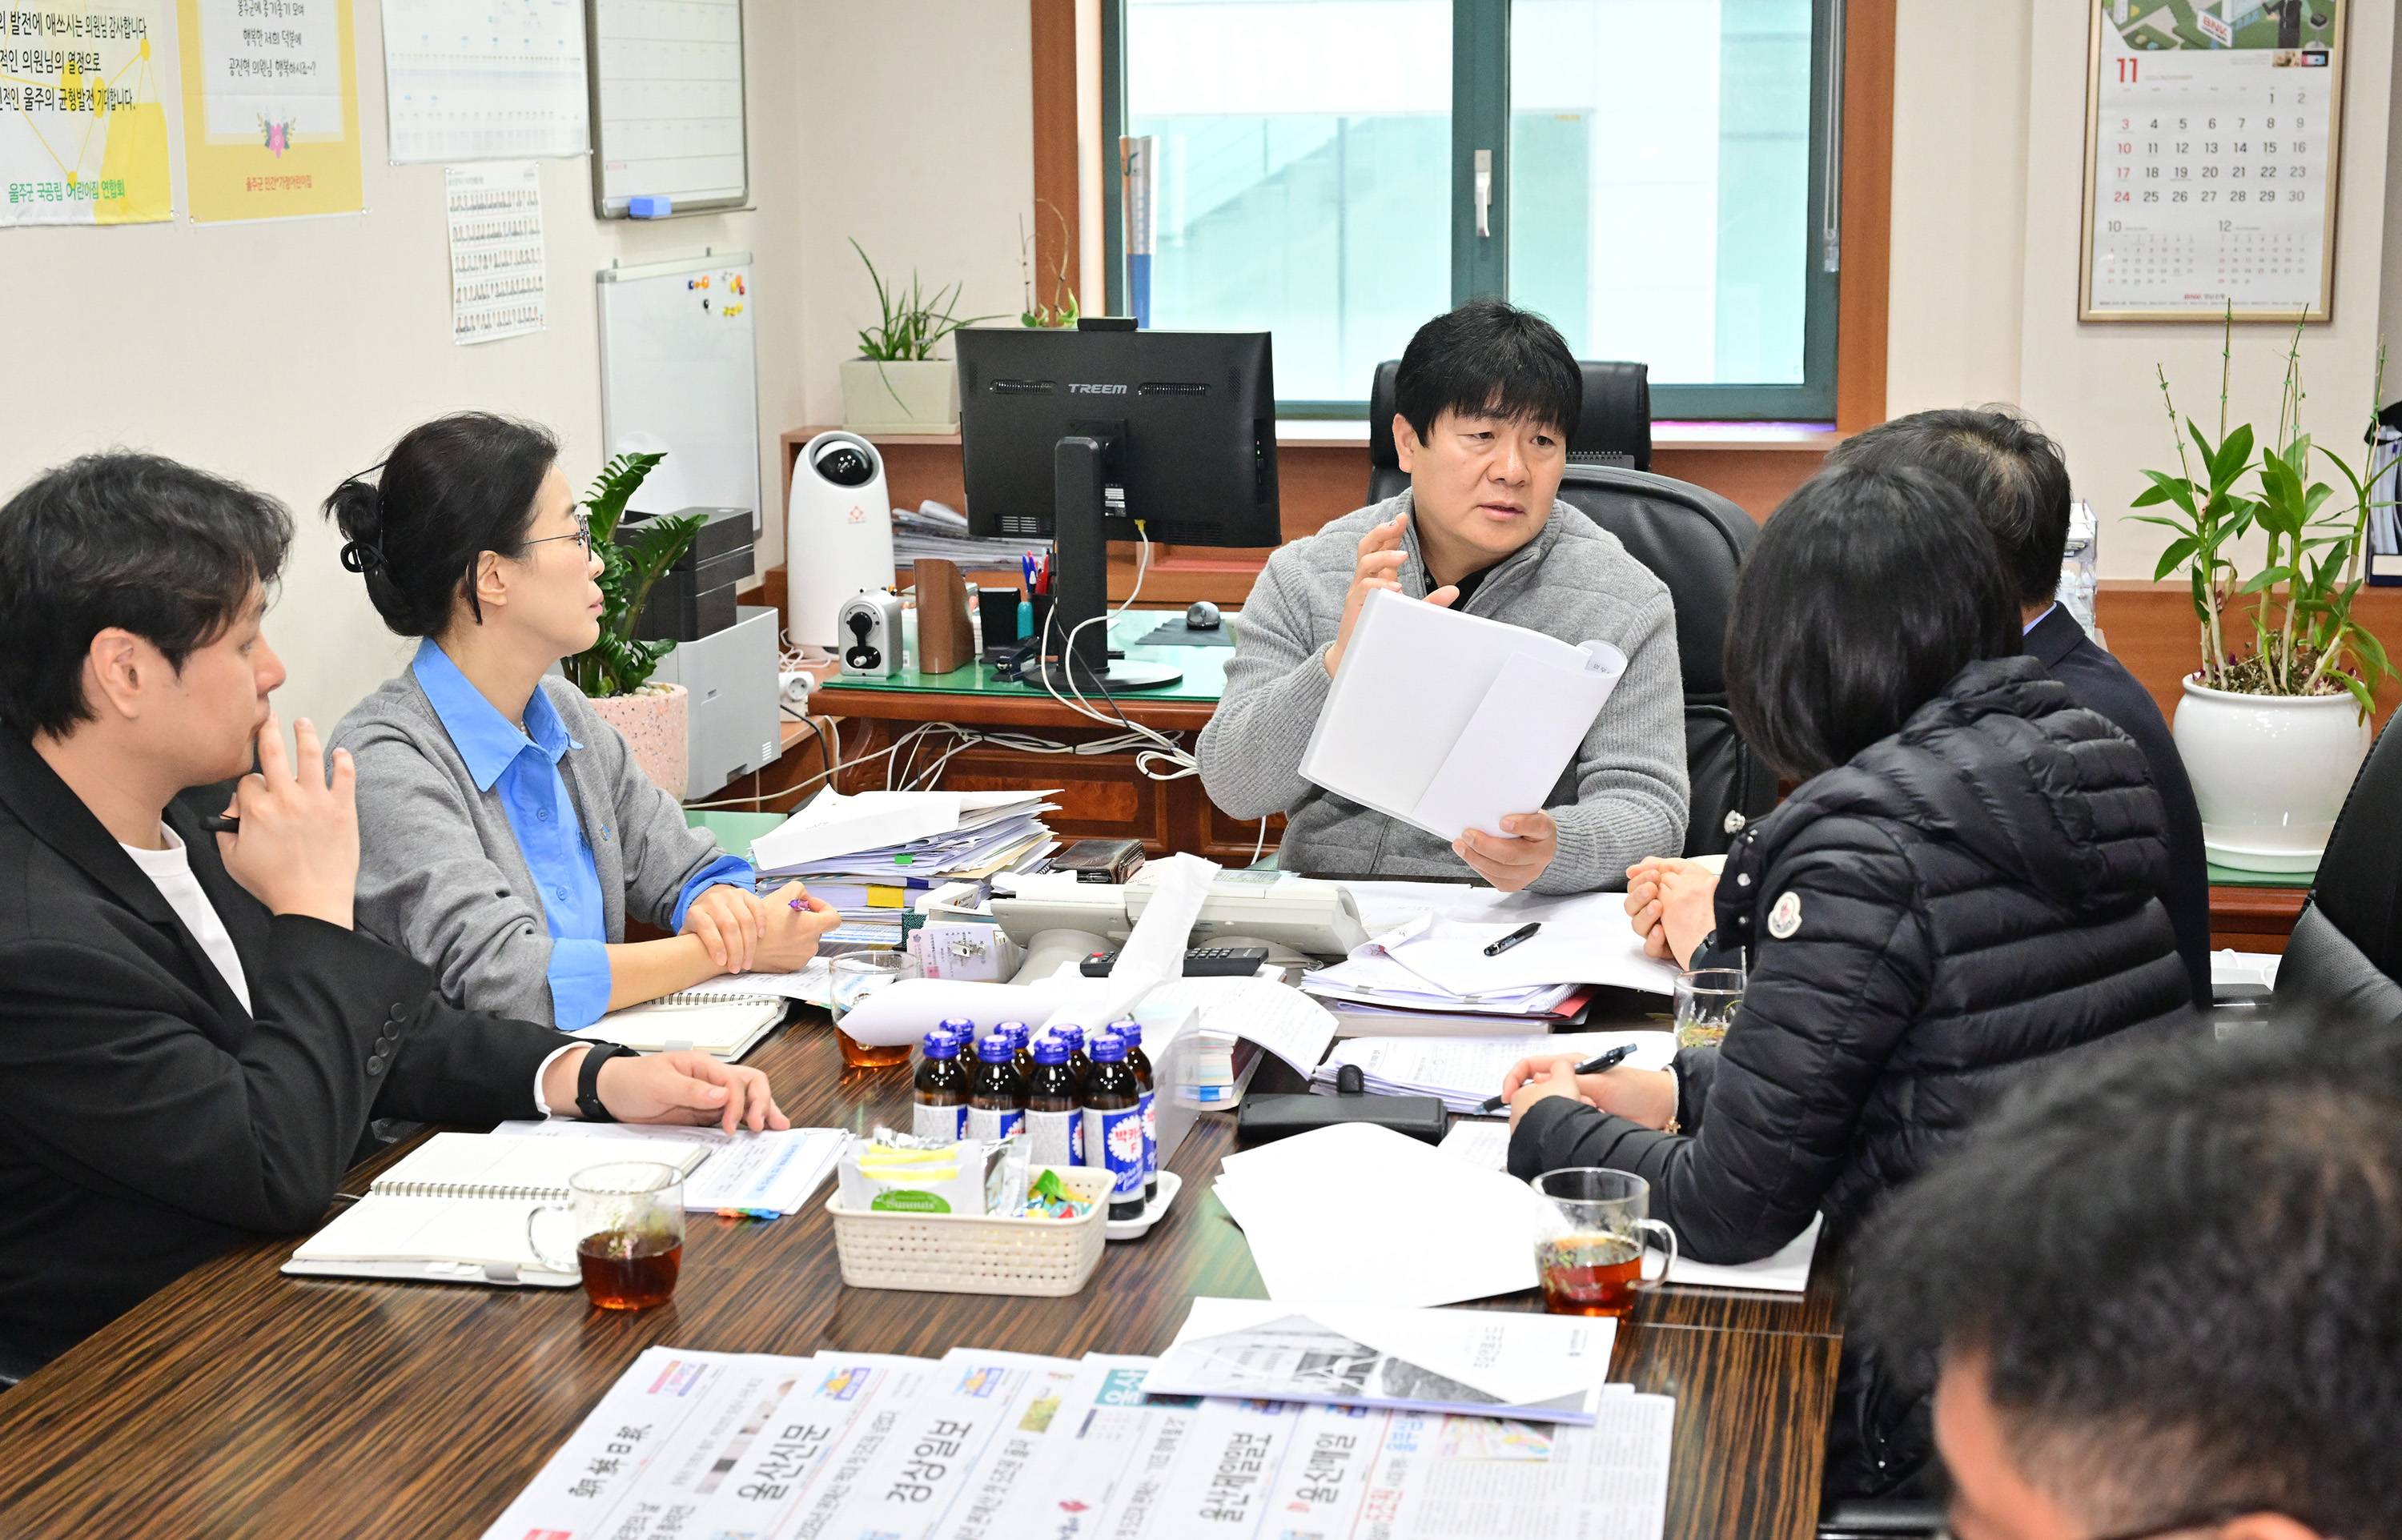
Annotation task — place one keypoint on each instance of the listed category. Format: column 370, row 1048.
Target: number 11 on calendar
column 2211, row 155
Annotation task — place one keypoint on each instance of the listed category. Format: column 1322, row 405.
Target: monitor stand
column 1081, row 553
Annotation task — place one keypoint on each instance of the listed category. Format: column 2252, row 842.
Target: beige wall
column 1988, row 183
column 292, row 353
column 918, row 131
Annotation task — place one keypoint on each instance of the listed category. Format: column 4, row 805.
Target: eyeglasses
column 582, row 535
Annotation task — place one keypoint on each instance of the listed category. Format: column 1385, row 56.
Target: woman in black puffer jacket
column 1963, row 889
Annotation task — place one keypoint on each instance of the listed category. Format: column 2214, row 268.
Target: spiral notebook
column 722, row 1026
column 455, row 1210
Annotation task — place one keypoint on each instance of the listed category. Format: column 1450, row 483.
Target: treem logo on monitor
column 1075, row 388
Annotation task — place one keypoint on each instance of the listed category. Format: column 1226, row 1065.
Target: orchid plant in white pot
column 2273, row 723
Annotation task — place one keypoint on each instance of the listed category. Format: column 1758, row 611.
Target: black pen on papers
column 1611, row 1060
column 1513, row 937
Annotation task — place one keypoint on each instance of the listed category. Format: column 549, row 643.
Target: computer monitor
column 1073, row 436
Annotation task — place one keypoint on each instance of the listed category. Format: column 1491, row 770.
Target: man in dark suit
column 193, row 1037
column 2018, row 483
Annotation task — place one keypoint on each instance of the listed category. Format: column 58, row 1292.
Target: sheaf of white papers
column 1413, row 729
column 1359, row 1213
column 1474, row 1362
column 1584, row 938
column 832, row 825
column 1465, row 1071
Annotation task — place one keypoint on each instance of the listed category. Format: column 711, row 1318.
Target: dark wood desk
column 238, row 1402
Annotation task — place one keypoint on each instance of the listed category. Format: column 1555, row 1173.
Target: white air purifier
column 839, row 538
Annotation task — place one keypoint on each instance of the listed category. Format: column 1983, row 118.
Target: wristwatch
column 588, row 1081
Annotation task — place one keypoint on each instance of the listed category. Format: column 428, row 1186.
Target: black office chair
column 1614, row 428
column 2347, row 944
column 1691, row 538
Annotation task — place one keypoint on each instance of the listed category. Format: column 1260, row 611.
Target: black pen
column 1513, row 937
column 1611, row 1060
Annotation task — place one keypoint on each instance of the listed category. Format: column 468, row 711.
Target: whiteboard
column 667, row 104
column 678, row 375
column 484, row 79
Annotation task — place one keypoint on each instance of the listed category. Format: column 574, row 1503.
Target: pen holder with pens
column 973, row 1254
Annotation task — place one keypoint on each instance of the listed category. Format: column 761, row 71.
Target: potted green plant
column 1062, row 313
column 896, row 385
column 615, row 670
column 2273, row 723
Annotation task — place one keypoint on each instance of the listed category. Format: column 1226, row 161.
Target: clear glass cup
column 627, row 1218
column 1707, row 1002
column 854, row 977
column 1589, row 1241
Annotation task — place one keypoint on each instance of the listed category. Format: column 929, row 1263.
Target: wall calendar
column 2210, row 160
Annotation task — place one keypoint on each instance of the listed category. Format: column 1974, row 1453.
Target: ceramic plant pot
column 2269, row 772
column 921, row 398
column 657, row 721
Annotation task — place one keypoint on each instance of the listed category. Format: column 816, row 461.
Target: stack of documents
column 991, row 1446
column 872, row 853
column 932, row 530
column 1465, row 1071
column 1432, row 973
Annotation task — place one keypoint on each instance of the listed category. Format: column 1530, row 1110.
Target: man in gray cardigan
column 1485, row 397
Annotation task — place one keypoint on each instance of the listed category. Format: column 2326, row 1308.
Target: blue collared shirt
column 524, row 764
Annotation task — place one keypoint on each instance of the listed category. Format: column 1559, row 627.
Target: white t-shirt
column 171, row 870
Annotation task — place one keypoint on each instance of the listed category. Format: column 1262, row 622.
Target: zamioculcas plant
column 617, row 664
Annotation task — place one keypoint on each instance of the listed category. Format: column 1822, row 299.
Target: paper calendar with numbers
column 2210, row 160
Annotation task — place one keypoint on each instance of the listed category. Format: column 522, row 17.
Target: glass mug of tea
column 1707, row 1002
column 853, row 978
column 629, row 1223
column 1589, row 1240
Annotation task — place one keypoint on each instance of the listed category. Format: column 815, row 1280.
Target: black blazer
column 2101, row 683
column 148, row 1121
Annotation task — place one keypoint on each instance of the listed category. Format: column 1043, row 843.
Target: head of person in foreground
column 2166, row 1294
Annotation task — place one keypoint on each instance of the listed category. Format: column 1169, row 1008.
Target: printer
column 725, row 654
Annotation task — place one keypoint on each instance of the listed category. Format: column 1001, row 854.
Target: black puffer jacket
column 1963, row 900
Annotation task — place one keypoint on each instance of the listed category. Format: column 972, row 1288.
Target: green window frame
column 1480, row 265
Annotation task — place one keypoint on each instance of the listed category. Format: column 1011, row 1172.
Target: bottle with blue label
column 1140, row 1062
column 1079, row 1066
column 1054, row 1121
column 1113, row 1124
column 997, row 1101
column 939, row 1105
column 1021, row 1044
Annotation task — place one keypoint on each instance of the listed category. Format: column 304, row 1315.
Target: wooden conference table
column 238, row 1402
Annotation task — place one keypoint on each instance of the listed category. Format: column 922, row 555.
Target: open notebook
column 722, row 1026
column 1452, row 722
column 455, row 1210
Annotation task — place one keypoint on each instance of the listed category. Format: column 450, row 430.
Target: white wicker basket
column 970, row 1254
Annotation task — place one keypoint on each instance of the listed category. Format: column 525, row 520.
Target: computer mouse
column 1201, row 616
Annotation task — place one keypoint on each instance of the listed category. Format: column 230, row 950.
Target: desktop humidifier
column 841, row 538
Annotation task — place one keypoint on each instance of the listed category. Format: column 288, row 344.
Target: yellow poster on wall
column 270, row 109
column 83, row 132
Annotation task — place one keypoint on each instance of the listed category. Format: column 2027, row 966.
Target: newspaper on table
column 1476, row 1362
column 995, row 1446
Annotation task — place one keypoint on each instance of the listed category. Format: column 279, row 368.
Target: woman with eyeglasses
column 505, row 832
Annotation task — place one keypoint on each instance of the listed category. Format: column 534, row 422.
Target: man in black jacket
column 193, row 1037
column 2018, row 481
